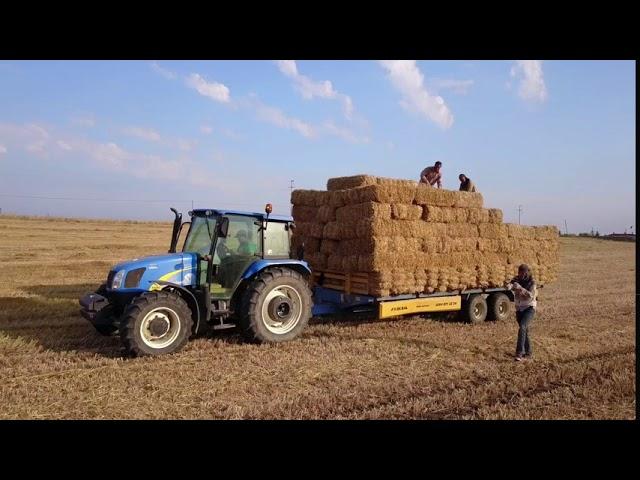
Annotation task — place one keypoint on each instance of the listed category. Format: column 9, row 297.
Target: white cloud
column 214, row 90
column 3, row 149
column 206, row 129
column 532, row 86
column 277, row 117
column 344, row 133
column 84, row 121
column 309, row 89
column 168, row 74
column 182, row 144
column 107, row 156
column 143, row 133
column 40, row 139
column 233, row 135
column 456, row 86
column 409, row 81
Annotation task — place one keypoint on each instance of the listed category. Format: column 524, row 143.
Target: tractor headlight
column 117, row 280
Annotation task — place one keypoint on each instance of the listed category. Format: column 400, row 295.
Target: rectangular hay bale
column 495, row 215
column 438, row 197
column 325, row 214
column 363, row 211
column 401, row 211
column 304, row 213
column 468, row 200
column 386, row 193
column 310, row 229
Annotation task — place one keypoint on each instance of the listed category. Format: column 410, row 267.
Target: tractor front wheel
column 155, row 323
column 275, row 307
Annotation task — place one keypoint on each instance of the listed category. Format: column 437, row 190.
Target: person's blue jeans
column 524, row 318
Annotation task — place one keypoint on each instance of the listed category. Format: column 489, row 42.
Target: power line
column 42, row 197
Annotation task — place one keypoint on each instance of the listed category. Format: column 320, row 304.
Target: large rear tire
column 155, row 323
column 474, row 310
column 498, row 307
column 275, row 307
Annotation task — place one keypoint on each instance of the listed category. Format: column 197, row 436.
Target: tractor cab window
column 234, row 253
column 276, row 240
column 243, row 239
column 200, row 234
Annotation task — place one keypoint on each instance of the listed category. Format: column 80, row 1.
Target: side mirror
column 222, row 229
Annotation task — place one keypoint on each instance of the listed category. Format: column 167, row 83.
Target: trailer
column 339, row 293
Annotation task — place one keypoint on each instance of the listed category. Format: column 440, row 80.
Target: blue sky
column 129, row 139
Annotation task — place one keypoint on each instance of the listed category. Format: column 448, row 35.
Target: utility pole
column 519, row 211
column 566, row 230
column 291, row 187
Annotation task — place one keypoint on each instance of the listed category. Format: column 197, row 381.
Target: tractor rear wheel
column 275, row 307
column 155, row 323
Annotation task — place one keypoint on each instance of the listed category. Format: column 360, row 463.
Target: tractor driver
column 244, row 246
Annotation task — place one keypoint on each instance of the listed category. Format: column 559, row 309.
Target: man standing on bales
column 431, row 175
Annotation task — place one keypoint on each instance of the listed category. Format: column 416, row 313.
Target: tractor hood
column 141, row 273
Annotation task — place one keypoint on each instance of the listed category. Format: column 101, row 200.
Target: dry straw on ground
column 53, row 365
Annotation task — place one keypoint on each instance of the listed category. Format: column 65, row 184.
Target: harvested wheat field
column 54, row 365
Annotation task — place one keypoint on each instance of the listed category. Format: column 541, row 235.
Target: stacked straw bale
column 411, row 238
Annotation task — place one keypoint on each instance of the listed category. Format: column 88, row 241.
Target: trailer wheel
column 155, row 323
column 275, row 307
column 474, row 310
column 499, row 307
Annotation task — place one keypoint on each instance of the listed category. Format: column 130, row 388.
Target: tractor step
column 224, row 326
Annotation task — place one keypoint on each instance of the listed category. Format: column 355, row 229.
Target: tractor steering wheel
column 223, row 251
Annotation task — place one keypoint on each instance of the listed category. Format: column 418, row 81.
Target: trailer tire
column 498, row 307
column 474, row 310
column 155, row 323
column 275, row 307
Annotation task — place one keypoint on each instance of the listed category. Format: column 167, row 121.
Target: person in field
column 525, row 293
column 431, row 175
column 466, row 185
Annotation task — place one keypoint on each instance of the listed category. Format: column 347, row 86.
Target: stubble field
column 53, row 364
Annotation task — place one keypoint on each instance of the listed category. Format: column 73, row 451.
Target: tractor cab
column 229, row 242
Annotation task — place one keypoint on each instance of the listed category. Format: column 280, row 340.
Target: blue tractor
column 234, row 270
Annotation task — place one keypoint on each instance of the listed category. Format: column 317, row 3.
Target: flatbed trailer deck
column 336, row 292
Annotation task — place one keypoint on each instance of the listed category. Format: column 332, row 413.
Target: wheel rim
column 478, row 310
column 160, row 327
column 502, row 308
column 285, row 311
